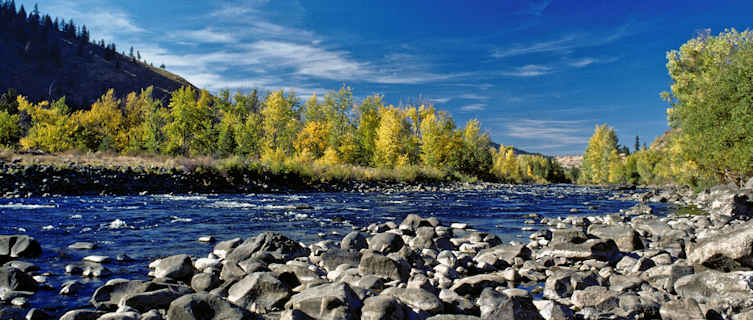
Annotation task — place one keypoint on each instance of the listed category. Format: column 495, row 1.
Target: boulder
column 412, row 222
column 204, row 282
column 354, row 241
column 419, row 300
column 552, row 310
column 82, row 315
column 725, row 248
column 386, row 242
column 108, row 296
column 19, row 246
column 260, row 292
column 598, row 249
column 503, row 256
column 128, row 315
column 177, row 267
column 327, row 301
column 727, row 202
column 560, row 236
column 682, row 309
column 157, row 299
column 516, row 304
column 562, row 283
column 383, row 266
column 383, row 307
column 202, row 306
column 335, row 257
column 473, row 285
column 270, row 247
column 600, row 298
column 623, row 235
column 663, row 277
column 223, row 248
column 12, row 279
column 720, row 291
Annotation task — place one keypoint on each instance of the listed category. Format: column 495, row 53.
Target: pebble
column 82, row 246
column 206, row 239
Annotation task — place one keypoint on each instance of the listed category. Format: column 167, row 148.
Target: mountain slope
column 46, row 60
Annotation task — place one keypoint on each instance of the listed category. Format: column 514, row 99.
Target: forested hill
column 45, row 59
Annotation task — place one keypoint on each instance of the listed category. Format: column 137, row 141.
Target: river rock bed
column 627, row 265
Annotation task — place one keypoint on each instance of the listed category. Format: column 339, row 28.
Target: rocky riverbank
column 692, row 264
column 40, row 180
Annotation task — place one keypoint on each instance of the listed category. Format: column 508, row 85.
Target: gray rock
column 270, row 247
column 503, row 256
column 223, row 248
column 624, row 236
column 417, row 299
column 682, row 309
column 82, row 246
column 37, row 314
column 120, row 316
column 386, row 242
column 598, row 249
column 108, row 296
column 354, row 241
column 376, row 264
column 328, row 301
column 259, row 292
column 202, row 306
column 731, row 244
column 412, row 222
column 19, row 246
column 664, row 277
column 15, row 280
column 620, row 283
column 600, row 298
column 473, row 285
column 335, row 257
column 151, row 315
column 453, row 317
column 383, row 308
column 561, row 236
column 496, row 305
column 552, row 310
column 71, row 287
column 455, row 303
column 82, row 315
column 562, row 283
column 177, row 267
column 158, row 299
column 719, row 291
column 204, row 282
column 24, row 266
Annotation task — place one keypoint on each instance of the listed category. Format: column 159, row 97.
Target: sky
column 539, row 75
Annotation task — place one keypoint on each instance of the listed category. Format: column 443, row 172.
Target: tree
column 475, row 158
column 52, row 129
column 368, row 122
column 280, row 124
column 637, row 146
column 10, row 131
column 601, row 150
column 189, row 130
column 100, row 127
column 392, row 146
column 710, row 102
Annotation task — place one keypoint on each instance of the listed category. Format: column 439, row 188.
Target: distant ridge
column 517, row 151
column 45, row 60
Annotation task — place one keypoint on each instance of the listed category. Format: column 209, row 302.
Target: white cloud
column 580, row 63
column 206, row 35
column 472, row 96
column 473, row 107
column 553, row 132
column 564, row 44
column 531, row 70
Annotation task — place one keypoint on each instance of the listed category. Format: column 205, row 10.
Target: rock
column 204, row 282
column 562, row 283
column 327, row 301
column 222, row 248
column 25, row 267
column 271, row 246
column 473, row 285
column 202, row 306
column 412, row 222
column 624, row 236
column 382, row 307
column 447, row 258
column 13, row 279
column 598, row 249
column 354, row 241
column 551, row 310
column 19, row 246
column 729, row 203
column 682, row 309
column 735, row 244
column 620, row 283
column 177, row 267
column 97, row 259
column 206, row 239
column 202, row 264
column 108, row 296
column 385, row 242
column 259, row 292
column 82, row 246
column 503, row 256
column 417, row 299
column 36, row 314
column 664, row 277
column 151, row 315
column 517, row 305
column 120, row 316
column 335, row 257
column 717, row 290
column 71, row 287
column 82, row 315
column 158, row 299
column 560, row 236
column 376, row 264
column 87, row 269
column 600, row 298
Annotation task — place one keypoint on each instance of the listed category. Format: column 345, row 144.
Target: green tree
column 10, row 131
column 190, row 128
column 280, row 124
column 476, row 155
column 366, row 132
column 710, row 101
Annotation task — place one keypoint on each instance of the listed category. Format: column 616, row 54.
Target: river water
column 148, row 227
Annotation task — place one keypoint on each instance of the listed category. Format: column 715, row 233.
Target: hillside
column 45, row 60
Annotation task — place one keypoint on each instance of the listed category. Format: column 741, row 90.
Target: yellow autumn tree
column 312, row 139
column 391, row 146
column 51, row 130
column 100, row 126
column 280, row 125
column 601, row 150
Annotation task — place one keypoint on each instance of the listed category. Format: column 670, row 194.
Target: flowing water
column 148, row 227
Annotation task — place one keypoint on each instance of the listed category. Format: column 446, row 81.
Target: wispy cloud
column 531, row 70
column 587, row 61
column 535, row 8
column 473, row 107
column 564, row 44
column 206, row 35
column 555, row 132
column 472, row 96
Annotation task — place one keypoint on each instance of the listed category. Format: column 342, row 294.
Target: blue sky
column 538, row 74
